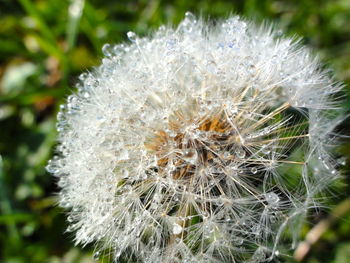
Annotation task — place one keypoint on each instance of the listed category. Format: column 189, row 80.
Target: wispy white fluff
column 196, row 144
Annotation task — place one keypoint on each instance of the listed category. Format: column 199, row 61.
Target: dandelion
column 201, row 143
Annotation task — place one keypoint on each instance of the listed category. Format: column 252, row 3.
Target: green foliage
column 45, row 44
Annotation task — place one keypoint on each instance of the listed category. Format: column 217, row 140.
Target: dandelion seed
column 178, row 147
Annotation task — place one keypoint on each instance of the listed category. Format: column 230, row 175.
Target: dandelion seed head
column 180, row 146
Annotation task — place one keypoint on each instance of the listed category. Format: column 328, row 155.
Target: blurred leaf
column 6, row 111
column 15, row 218
column 75, row 11
column 343, row 253
column 34, row 14
column 82, row 59
column 15, row 76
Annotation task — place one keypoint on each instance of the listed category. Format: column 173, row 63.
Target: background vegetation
column 46, row 44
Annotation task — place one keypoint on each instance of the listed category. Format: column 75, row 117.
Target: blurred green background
column 46, row 44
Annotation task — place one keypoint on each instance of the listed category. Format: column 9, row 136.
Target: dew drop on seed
column 190, row 17
column 342, row 161
column 254, row 170
column 211, row 67
column 60, row 116
column 119, row 49
column 240, row 153
column 65, row 204
column 265, row 150
column 50, row 167
column 131, row 36
column 177, row 229
column 171, row 43
column 256, row 230
column 226, row 155
column 272, row 198
column 188, row 22
column 279, row 33
column 106, row 50
column 205, row 214
column 273, row 219
column 82, row 77
column 238, row 241
column 190, row 155
column 125, row 173
column 96, row 255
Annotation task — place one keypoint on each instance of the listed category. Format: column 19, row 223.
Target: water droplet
column 125, row 173
column 273, row 219
column 226, row 155
column 70, row 228
column 119, row 49
column 191, row 17
column 254, row 170
column 205, row 214
column 96, row 255
column 238, row 241
column 187, row 24
column 256, row 230
column 190, row 155
column 50, row 167
column 86, row 95
column 211, row 67
column 272, row 198
column 65, row 204
column 240, row 153
column 279, row 33
column 221, row 45
column 342, row 161
column 171, row 43
column 265, row 150
column 177, row 229
column 162, row 29
column 82, row 77
column 60, row 116
column 107, row 50
column 131, row 36
column 100, row 118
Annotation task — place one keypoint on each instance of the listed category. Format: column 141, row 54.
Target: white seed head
column 197, row 144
